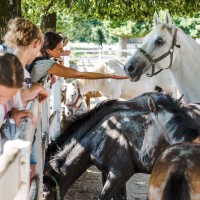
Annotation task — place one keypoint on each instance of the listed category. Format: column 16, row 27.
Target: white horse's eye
column 159, row 41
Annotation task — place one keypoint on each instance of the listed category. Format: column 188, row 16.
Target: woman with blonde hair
column 25, row 38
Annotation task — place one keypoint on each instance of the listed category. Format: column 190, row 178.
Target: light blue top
column 40, row 68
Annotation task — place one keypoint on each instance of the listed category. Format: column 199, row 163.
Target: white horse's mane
column 188, row 37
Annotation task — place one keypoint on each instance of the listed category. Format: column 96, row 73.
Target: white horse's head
column 72, row 92
column 74, row 99
column 158, row 48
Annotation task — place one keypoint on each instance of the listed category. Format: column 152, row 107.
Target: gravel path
column 89, row 186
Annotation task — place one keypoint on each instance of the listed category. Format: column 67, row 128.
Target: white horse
column 74, row 103
column 167, row 46
column 115, row 89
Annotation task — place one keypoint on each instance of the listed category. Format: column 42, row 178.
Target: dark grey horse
column 110, row 137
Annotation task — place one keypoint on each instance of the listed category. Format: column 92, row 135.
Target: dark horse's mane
column 180, row 123
column 71, row 123
column 88, row 120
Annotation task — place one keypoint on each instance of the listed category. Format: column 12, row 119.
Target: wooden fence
column 15, row 161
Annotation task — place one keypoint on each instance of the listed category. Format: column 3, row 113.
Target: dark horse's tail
column 177, row 187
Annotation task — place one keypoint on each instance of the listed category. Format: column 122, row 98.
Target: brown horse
column 176, row 174
column 91, row 94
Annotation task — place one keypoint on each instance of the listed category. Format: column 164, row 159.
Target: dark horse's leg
column 121, row 195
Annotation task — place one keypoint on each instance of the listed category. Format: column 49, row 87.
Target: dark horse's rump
column 176, row 173
column 110, row 137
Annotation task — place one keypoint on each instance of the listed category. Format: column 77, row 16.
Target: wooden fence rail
column 15, row 161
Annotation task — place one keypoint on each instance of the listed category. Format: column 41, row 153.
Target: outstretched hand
column 114, row 76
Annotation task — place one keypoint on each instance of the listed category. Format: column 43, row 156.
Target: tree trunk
column 122, row 45
column 9, row 9
column 48, row 22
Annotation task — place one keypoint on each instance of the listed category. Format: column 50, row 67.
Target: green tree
column 43, row 12
column 80, row 20
column 190, row 25
column 130, row 10
column 8, row 10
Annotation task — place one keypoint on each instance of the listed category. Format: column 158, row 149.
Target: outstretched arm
column 67, row 72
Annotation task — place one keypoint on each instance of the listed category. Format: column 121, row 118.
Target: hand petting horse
column 115, row 89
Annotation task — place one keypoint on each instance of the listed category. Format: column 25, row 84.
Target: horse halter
column 74, row 105
column 154, row 61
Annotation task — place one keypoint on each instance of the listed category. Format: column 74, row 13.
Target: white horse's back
column 125, row 89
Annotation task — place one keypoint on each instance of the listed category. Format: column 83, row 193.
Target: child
column 11, row 81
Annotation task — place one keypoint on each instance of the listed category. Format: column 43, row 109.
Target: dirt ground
column 89, row 186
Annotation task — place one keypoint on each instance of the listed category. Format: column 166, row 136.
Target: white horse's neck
column 185, row 69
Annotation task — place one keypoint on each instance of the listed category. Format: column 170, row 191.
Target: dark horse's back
column 109, row 137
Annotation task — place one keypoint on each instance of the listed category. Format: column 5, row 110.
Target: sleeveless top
column 39, row 67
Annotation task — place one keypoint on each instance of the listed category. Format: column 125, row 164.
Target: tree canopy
column 106, row 21
column 130, row 10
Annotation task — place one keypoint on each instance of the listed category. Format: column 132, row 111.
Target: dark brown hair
column 11, row 71
column 51, row 40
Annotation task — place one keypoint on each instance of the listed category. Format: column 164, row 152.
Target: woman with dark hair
column 52, row 47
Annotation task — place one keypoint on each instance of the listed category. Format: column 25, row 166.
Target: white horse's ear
column 168, row 20
column 151, row 104
column 156, row 20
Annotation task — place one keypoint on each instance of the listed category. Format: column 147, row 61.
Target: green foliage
column 190, row 26
column 105, row 21
column 130, row 10
column 35, row 9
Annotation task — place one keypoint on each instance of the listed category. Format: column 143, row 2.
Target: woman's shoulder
column 41, row 60
column 39, row 67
